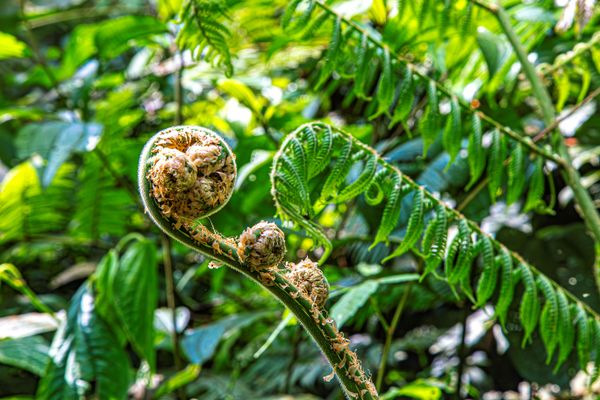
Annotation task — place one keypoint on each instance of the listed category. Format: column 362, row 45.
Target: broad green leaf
column 86, row 357
column 243, row 94
column 114, row 36
column 178, row 380
column 11, row 47
column 489, row 45
column 352, row 301
column 55, row 142
column 28, row 353
column 199, row 344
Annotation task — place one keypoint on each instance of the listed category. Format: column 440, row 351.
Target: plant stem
column 461, row 353
column 389, row 335
column 321, row 328
column 587, row 207
column 548, row 129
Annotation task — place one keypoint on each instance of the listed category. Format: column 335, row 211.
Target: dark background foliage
column 83, row 85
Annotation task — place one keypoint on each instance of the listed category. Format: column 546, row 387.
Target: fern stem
column 502, row 128
column 571, row 175
column 321, row 328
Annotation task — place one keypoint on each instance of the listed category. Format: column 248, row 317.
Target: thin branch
column 389, row 335
column 547, row 130
column 503, row 129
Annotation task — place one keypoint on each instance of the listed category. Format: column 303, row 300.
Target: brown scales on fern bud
column 310, row 281
column 192, row 173
column 262, row 246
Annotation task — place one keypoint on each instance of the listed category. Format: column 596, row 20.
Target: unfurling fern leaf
column 414, row 227
column 496, row 163
column 476, row 152
column 385, row 87
column 516, row 175
column 453, row 131
column 549, row 317
column 529, row 309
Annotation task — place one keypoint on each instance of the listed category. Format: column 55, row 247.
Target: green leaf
column 529, row 309
column 114, row 35
column 536, row 187
column 362, row 182
column 332, row 54
column 406, row 97
column 489, row 45
column 11, row 47
column 55, row 142
column 385, row 87
column 549, row 317
column 429, row 124
column 566, row 329
column 129, row 287
column 440, row 237
column 361, row 76
column 391, row 211
column 516, row 175
column 496, row 163
column 476, row 153
column 414, row 227
column 489, row 275
column 178, row 380
column 453, row 132
column 583, row 338
column 352, row 301
column 507, row 288
column 199, row 344
column 85, row 355
column 28, row 353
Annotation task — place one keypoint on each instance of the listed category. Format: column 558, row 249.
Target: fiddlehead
column 187, row 173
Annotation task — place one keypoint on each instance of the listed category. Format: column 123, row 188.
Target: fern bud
column 310, row 281
column 192, row 172
column 262, row 246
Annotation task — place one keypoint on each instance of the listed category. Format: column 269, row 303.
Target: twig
column 389, row 335
column 461, row 353
column 547, row 130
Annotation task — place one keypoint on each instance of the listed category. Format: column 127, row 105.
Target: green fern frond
column 203, row 33
column 501, row 269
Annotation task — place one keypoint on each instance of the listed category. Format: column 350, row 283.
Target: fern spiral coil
column 187, row 173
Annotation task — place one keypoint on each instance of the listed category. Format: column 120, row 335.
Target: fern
column 374, row 75
column 430, row 219
column 204, row 34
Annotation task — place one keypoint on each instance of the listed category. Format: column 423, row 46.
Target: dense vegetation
column 439, row 159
